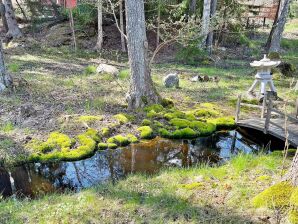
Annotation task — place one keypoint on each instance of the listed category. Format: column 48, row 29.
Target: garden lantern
column 264, row 75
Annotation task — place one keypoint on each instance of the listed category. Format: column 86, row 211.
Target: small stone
column 195, row 78
column 206, row 78
column 171, row 80
column 109, row 69
column 26, row 111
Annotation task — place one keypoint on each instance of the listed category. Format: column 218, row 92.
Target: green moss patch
column 122, row 118
column 146, row 132
column 119, row 140
column 223, row 122
column 90, row 118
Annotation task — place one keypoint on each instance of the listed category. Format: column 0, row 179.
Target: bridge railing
column 266, row 112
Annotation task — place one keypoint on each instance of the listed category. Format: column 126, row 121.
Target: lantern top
column 265, row 62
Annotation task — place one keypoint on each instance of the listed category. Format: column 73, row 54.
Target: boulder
column 171, row 80
column 108, row 69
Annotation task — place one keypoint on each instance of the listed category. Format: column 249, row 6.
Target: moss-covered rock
column 121, row 118
column 112, row 146
column 275, row 197
column 105, row 132
column 146, row 122
column 92, row 133
column 146, row 132
column 223, row 122
column 186, row 133
column 102, row 146
column 119, row 140
column 90, row 118
column 167, row 103
column 132, row 138
column 154, row 107
column 204, row 128
column 165, row 133
column 180, row 123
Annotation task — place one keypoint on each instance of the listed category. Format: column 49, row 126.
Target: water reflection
column 110, row 165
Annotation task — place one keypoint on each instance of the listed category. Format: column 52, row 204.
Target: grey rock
column 171, row 80
column 2, row 87
column 195, row 79
column 108, row 69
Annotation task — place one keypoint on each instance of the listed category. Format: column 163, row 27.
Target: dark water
column 147, row 157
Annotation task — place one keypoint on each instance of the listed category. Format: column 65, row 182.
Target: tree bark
column 2, row 12
column 206, row 21
column 13, row 29
column 158, row 22
column 279, row 28
column 5, row 78
column 292, row 174
column 123, row 44
column 142, row 90
column 99, row 42
column 210, row 35
column 192, row 7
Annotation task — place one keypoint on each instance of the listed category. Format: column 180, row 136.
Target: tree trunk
column 158, row 23
column 123, row 45
column 99, row 42
column 2, row 12
column 279, row 28
column 206, row 21
column 142, row 90
column 192, row 7
column 292, row 174
column 273, row 25
column 22, row 11
column 13, row 29
column 210, row 35
column 5, row 79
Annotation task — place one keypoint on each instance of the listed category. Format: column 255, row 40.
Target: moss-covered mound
column 59, row 146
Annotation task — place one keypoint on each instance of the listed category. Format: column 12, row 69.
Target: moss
column 102, row 146
column 112, row 146
column 146, row 132
column 105, row 132
column 92, row 133
column 146, row 122
column 167, row 103
column 154, row 114
column 204, row 128
column 263, row 178
column 174, row 114
column 154, row 107
column 293, row 216
column 274, row 56
column 90, row 118
column 158, row 124
column 121, row 118
column 132, row 138
column 274, row 197
column 90, row 69
column 180, row 123
column 294, row 198
column 223, row 122
column 60, row 146
column 164, row 133
column 186, row 133
column 124, row 74
column 119, row 140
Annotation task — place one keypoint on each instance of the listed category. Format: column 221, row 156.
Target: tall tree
column 123, row 44
column 142, row 90
column 278, row 28
column 192, row 7
column 2, row 12
column 206, row 20
column 210, row 34
column 99, row 42
column 5, row 79
column 13, row 28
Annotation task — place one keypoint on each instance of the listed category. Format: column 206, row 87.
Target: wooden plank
column 282, row 114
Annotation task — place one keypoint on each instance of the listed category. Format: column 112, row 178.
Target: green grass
column 172, row 196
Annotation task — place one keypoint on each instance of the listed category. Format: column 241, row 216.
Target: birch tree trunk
column 292, row 174
column 13, row 29
column 99, row 42
column 279, row 28
column 206, row 21
column 210, row 35
column 142, row 90
column 5, row 79
column 192, row 7
column 123, row 45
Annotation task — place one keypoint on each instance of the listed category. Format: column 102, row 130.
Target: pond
column 148, row 157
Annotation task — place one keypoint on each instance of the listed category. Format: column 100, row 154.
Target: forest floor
column 53, row 86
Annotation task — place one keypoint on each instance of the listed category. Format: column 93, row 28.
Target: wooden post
column 73, row 29
column 238, row 105
column 296, row 110
column 268, row 117
column 264, row 105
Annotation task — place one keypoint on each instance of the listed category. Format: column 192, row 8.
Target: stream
column 36, row 179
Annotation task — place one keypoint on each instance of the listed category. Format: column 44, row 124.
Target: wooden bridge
column 271, row 121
